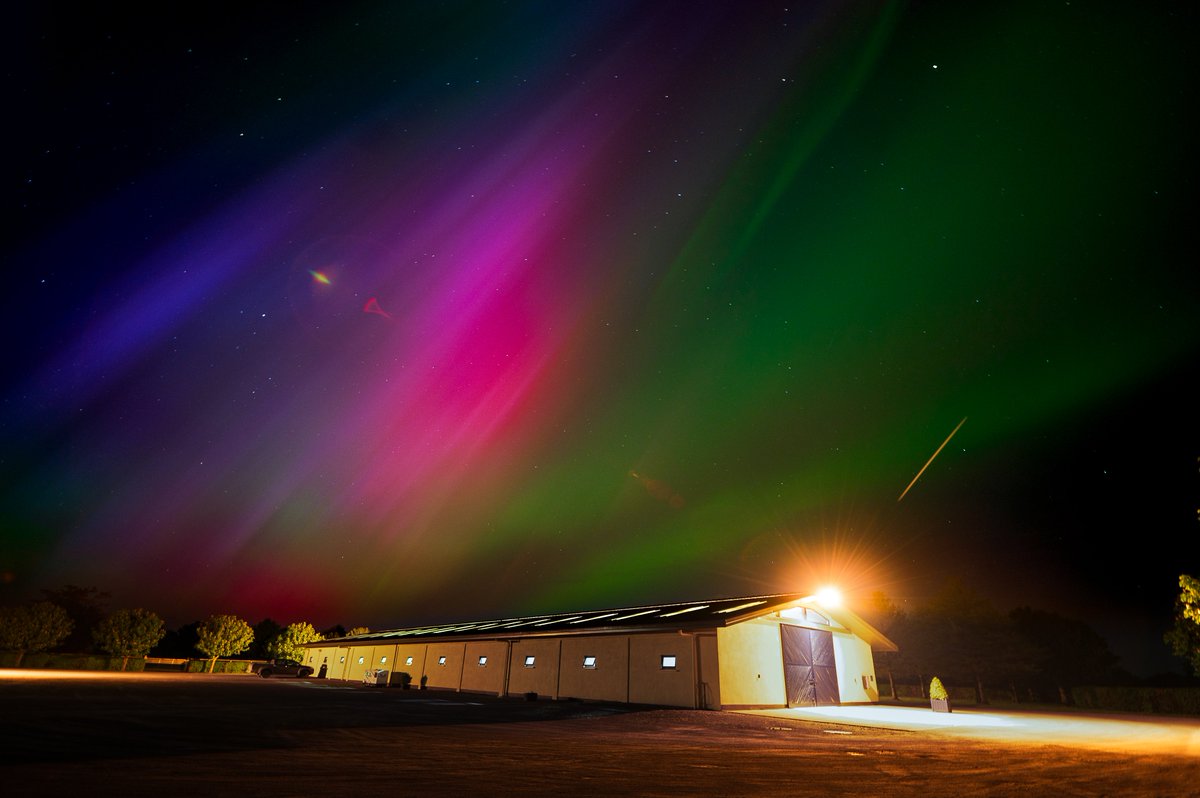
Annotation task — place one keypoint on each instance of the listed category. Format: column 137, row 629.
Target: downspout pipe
column 558, row 672
column 507, row 668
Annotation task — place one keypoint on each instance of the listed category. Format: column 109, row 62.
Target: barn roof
column 682, row 616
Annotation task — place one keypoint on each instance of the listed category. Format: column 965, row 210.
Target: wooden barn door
column 809, row 672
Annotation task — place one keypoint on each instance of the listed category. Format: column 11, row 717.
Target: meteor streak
column 930, row 460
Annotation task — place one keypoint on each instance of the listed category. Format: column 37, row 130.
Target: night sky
column 382, row 313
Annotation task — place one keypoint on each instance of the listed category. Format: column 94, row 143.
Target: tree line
column 74, row 619
column 1025, row 655
column 957, row 635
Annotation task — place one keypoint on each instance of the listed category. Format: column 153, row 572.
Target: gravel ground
column 169, row 735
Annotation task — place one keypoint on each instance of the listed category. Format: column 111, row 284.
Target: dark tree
column 179, row 643
column 265, row 631
column 961, row 634
column 1067, row 653
column 86, row 607
column 36, row 627
column 889, row 619
column 129, row 633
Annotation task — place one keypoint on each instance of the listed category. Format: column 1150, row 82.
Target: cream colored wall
column 750, row 657
column 488, row 678
column 742, row 665
column 709, row 687
column 446, row 676
column 608, row 681
column 542, row 678
column 355, row 670
column 417, row 652
column 649, row 682
column 313, row 657
column 383, row 657
column 854, row 662
column 339, row 661
column 343, row 661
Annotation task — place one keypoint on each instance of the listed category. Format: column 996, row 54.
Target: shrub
column 937, row 691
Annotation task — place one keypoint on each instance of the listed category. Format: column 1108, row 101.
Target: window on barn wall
column 668, row 662
column 530, row 660
column 383, row 659
column 342, row 658
column 589, row 662
column 360, row 660
column 441, row 660
column 408, row 661
column 483, row 662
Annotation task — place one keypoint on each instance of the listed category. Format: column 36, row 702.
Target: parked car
column 283, row 667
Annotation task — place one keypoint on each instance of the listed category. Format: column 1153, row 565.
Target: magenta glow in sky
column 381, row 313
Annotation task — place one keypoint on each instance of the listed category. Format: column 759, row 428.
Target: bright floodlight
column 829, row 597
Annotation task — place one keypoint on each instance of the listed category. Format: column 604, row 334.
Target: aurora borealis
column 392, row 312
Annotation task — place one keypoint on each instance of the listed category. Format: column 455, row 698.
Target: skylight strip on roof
column 556, row 620
column 681, row 612
column 594, row 618
column 747, row 605
column 636, row 614
column 524, row 623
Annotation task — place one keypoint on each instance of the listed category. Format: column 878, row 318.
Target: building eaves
column 678, row 616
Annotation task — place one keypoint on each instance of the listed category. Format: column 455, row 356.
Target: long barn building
column 730, row 653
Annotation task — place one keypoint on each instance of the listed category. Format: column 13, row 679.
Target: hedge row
column 99, row 662
column 1147, row 700
column 221, row 666
column 70, row 662
column 1150, row 700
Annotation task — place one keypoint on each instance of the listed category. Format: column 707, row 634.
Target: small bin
column 377, row 677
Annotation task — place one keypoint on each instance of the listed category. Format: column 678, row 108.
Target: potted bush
column 405, row 679
column 939, row 699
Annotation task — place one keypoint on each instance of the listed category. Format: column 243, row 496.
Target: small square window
column 383, row 659
column 529, row 660
column 408, row 661
column 342, row 658
column 360, row 660
column 668, row 662
column 483, row 662
column 589, row 662
column 441, row 660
